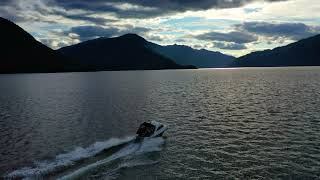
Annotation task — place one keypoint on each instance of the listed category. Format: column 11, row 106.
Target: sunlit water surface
column 255, row 123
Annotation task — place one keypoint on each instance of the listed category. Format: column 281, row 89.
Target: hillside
column 201, row 58
column 302, row 53
column 20, row 52
column 127, row 52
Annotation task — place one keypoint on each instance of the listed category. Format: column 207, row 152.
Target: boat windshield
column 146, row 129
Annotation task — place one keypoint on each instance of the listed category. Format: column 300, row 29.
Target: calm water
column 257, row 123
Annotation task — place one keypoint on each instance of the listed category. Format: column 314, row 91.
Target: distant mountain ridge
column 127, row 52
column 132, row 43
column 21, row 53
column 305, row 52
column 202, row 58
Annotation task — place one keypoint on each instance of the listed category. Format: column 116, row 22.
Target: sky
column 234, row 27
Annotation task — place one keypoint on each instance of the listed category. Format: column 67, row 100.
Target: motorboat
column 151, row 129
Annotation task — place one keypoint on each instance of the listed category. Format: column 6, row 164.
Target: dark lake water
column 250, row 123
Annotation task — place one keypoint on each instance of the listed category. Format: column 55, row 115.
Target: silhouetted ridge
column 302, row 53
column 182, row 54
column 133, row 38
column 20, row 52
column 127, row 52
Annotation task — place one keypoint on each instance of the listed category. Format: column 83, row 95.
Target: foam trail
column 132, row 163
column 148, row 145
column 68, row 159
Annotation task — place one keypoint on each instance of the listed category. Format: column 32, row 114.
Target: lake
column 247, row 123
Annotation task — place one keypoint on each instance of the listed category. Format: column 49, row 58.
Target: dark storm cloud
column 134, row 30
column 229, row 46
column 84, row 17
column 95, row 20
column 294, row 31
column 110, row 6
column 6, row 2
column 158, row 7
column 234, row 37
column 19, row 11
column 9, row 9
column 12, row 16
column 251, row 31
column 119, row 8
column 92, row 32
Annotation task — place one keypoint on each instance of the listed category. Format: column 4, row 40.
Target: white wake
column 132, row 149
column 62, row 161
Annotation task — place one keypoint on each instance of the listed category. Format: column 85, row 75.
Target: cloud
column 10, row 9
column 54, row 43
column 155, row 38
column 134, row 30
column 229, row 46
column 234, row 37
column 41, row 10
column 251, row 32
column 149, row 8
column 252, row 10
column 197, row 46
column 86, row 17
column 5, row 2
column 294, row 31
column 181, row 40
column 91, row 32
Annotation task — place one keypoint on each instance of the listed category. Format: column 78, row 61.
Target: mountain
column 200, row 58
column 302, row 53
column 127, row 52
column 20, row 52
